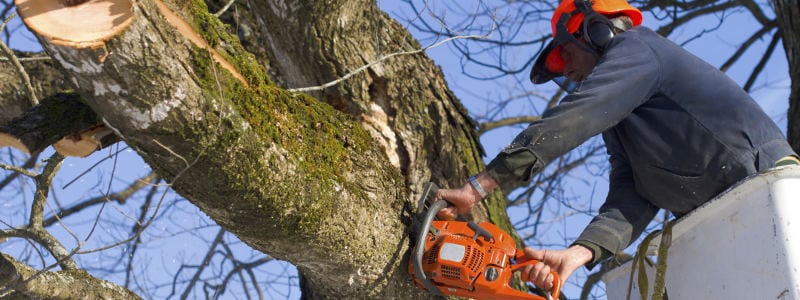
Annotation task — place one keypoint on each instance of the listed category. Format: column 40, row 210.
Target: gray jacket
column 677, row 130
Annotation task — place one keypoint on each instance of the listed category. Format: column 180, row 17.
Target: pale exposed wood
column 190, row 34
column 77, row 24
column 82, row 144
column 7, row 140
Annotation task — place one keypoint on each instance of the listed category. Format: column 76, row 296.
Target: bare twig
column 120, row 197
column 762, row 62
column 23, row 59
column 486, row 126
column 381, row 59
column 19, row 170
column 26, row 80
column 30, row 163
column 224, row 8
column 136, row 227
column 204, row 263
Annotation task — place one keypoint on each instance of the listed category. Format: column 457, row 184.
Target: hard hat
column 566, row 21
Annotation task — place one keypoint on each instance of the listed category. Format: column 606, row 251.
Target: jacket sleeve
column 624, row 215
column 627, row 76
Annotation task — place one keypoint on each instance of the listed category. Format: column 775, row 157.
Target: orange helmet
column 570, row 16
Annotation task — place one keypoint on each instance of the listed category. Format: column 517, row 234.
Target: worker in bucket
column 677, row 130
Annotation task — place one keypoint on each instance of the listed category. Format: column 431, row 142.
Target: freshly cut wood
column 76, row 23
column 8, row 140
column 82, row 144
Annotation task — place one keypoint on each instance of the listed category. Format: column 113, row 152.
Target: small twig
column 18, row 170
column 484, row 127
column 142, row 218
column 380, row 60
column 35, row 58
column 172, row 152
column 26, row 80
column 222, row 11
column 204, row 263
column 93, row 166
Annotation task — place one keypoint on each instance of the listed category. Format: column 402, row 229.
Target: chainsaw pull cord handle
column 422, row 234
column 556, row 280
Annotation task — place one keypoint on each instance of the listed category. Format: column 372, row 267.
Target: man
column 677, row 130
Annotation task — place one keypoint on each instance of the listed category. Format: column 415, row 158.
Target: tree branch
column 746, row 45
column 120, row 197
column 487, row 126
column 26, row 80
column 20, row 280
column 762, row 62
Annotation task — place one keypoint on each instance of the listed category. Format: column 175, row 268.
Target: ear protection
column 597, row 29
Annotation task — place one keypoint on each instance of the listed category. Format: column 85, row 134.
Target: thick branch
column 45, row 124
column 788, row 15
column 20, row 280
column 284, row 172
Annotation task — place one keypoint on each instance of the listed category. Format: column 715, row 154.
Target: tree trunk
column 788, row 14
column 321, row 184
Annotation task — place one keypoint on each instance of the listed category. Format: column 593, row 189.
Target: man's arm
column 624, row 215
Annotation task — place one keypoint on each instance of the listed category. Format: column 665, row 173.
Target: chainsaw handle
column 556, row 280
column 425, row 226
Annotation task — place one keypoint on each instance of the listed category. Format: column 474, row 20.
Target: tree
column 787, row 11
column 322, row 179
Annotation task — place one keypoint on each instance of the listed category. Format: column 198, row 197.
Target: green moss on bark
column 319, row 141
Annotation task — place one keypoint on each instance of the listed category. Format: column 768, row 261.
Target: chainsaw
column 461, row 258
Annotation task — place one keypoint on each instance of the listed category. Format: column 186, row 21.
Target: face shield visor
column 550, row 64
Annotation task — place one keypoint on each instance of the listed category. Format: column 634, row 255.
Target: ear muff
column 599, row 34
column 597, row 29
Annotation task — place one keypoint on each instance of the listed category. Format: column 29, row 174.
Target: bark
column 404, row 102
column 788, row 14
column 322, row 184
column 35, row 127
column 13, row 99
column 24, row 282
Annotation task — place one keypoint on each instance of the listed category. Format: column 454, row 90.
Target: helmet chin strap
column 594, row 53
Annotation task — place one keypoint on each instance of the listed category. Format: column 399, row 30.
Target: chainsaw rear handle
column 556, row 280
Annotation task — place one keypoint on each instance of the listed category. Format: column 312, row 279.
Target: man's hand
column 463, row 199
column 563, row 262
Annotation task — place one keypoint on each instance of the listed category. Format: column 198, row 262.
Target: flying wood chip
column 76, row 23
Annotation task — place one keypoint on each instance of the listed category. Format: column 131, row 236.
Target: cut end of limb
column 82, row 144
column 76, row 23
column 7, row 140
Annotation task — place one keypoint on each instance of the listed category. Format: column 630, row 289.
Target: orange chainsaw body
column 462, row 263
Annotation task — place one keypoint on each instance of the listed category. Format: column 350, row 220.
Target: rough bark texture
column 788, row 14
column 403, row 102
column 75, row 284
column 321, row 183
column 13, row 99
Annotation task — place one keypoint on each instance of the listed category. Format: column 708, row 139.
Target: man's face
column 578, row 62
